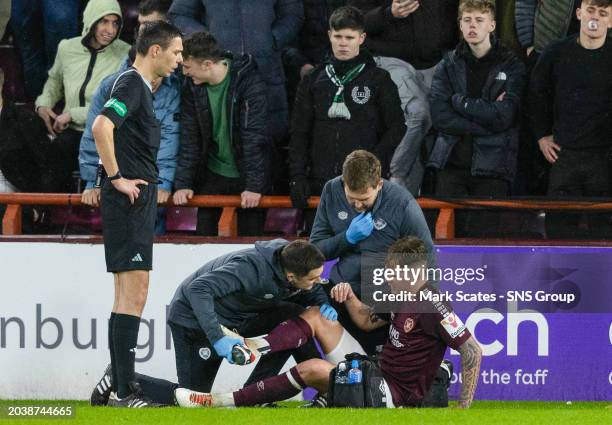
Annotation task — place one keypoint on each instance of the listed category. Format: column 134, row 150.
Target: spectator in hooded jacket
column 475, row 98
column 224, row 147
column 345, row 104
column 80, row 65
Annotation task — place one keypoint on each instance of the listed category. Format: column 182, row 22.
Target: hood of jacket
column 498, row 50
column 241, row 65
column 96, row 10
column 270, row 251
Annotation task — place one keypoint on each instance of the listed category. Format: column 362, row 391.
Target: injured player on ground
column 418, row 337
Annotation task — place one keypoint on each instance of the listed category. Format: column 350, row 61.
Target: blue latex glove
column 360, row 228
column 224, row 346
column 328, row 312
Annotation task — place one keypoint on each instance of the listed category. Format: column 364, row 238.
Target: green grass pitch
column 481, row 413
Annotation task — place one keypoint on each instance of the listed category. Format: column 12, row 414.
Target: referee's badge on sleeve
column 117, row 106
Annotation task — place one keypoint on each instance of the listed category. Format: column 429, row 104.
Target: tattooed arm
column 362, row 315
column 471, row 354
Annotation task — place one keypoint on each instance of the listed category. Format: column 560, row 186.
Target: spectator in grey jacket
column 260, row 28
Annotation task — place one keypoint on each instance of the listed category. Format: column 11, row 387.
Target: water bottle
column 355, row 375
column 341, row 377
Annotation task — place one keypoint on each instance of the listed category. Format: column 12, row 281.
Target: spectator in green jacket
column 80, row 65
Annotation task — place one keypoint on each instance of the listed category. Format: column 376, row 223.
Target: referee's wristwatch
column 115, row 177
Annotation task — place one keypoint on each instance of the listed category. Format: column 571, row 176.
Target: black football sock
column 125, row 336
column 111, row 348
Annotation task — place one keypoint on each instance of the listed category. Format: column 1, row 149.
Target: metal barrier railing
column 228, row 224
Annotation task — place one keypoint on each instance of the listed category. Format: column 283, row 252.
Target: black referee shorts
column 128, row 229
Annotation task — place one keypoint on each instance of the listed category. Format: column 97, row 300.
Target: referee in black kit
column 127, row 136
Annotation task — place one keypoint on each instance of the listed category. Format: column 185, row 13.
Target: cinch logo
column 514, row 318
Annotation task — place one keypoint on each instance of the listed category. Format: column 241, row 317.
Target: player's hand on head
column 223, row 347
column 91, row 197
column 328, row 312
column 360, row 228
column 342, row 292
column 129, row 187
column 182, row 196
column 162, row 196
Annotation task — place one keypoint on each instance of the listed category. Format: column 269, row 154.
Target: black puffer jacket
column 248, row 112
column 319, row 144
column 493, row 124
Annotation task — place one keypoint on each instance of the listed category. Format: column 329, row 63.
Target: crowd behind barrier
column 462, row 100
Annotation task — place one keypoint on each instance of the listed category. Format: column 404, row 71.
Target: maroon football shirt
column 417, row 342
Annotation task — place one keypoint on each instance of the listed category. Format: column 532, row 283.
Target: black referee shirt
column 137, row 131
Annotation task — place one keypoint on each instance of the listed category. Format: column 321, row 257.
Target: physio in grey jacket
column 387, row 211
column 235, row 288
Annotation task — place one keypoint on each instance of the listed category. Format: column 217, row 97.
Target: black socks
column 124, row 340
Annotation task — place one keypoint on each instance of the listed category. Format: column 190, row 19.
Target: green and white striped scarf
column 338, row 108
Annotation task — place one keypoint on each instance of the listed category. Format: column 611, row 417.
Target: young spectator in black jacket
column 475, row 99
column 224, row 145
column 342, row 105
column 571, row 113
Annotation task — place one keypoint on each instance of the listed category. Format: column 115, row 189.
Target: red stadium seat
column 283, row 221
column 181, row 219
column 79, row 218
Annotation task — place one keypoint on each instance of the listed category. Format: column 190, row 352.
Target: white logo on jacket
column 204, row 353
column 342, row 215
column 361, row 96
column 380, row 224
